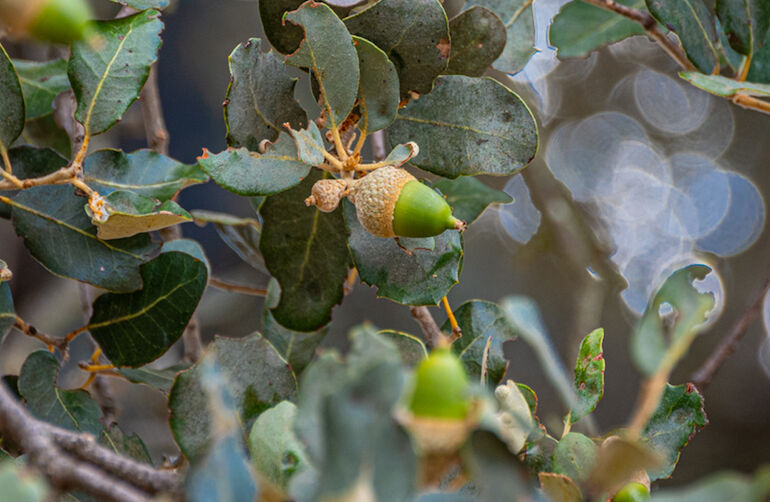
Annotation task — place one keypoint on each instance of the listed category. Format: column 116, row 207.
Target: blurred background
column 637, row 174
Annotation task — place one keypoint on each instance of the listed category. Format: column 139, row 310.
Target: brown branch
column 751, row 103
column 705, row 373
column 377, row 140
column 72, row 461
column 650, row 26
column 152, row 110
column 29, row 330
column 433, row 335
column 236, row 288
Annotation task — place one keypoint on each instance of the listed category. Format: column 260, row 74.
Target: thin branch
column 236, row 288
column 751, row 103
column 60, row 177
column 705, row 373
column 377, row 140
column 71, row 461
column 51, row 342
column 433, row 335
column 152, row 110
column 650, row 26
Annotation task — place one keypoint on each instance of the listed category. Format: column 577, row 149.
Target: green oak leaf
column 296, row 347
column 44, row 132
column 519, row 23
column 589, row 376
column 46, row 214
column 306, row 251
column 478, row 39
column 378, row 91
column 284, row 37
column 695, row 25
column 7, row 312
column 725, row 485
column 480, row 320
column 413, row 33
column 580, row 28
column 12, row 110
column 109, row 75
column 678, row 417
column 258, row 378
column 310, row 144
column 143, row 4
column 468, row 197
column 468, row 126
column 659, row 341
column 127, row 214
column 260, row 97
column 41, row 82
column 30, row 162
column 745, row 23
column 159, row 379
column 276, row 453
column 136, row 328
column 575, row 456
column 723, row 86
column 70, row 409
column 130, row 446
column 328, row 51
column 247, row 173
column 420, row 278
column 143, row 172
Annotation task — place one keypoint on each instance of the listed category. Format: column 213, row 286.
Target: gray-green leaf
column 695, row 25
column 468, row 126
column 126, row 214
column 589, row 375
column 12, row 110
column 468, row 197
column 41, row 82
column 478, row 38
column 520, row 32
column 378, row 92
column 7, row 312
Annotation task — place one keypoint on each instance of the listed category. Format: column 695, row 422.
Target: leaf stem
column 751, row 103
column 649, row 398
column 705, row 373
column 650, row 26
column 236, row 288
column 744, row 70
column 456, row 331
column 74, row 334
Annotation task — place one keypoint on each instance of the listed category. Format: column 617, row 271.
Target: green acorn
column 632, row 492
column 57, row 21
column 391, row 202
column 441, row 387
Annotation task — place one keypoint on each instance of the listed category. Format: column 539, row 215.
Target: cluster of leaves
column 727, row 36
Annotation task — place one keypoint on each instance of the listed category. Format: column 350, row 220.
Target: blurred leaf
column 411, row 348
column 480, row 320
column 732, row 486
column 160, row 379
column 144, row 4
column 285, row 37
column 515, row 415
column 222, row 473
column 128, row 446
column 7, row 312
column 539, row 452
column 745, row 22
column 345, row 3
column 108, row 75
column 5, row 272
column 344, row 417
column 618, row 461
column 296, row 347
column 413, row 33
column 420, row 278
column 575, row 456
column 135, row 328
column 580, row 28
column 520, row 32
column 41, row 82
column 11, row 102
column 732, row 59
column 469, row 197
column 378, row 92
column 478, row 38
column 497, row 473
column 240, row 234
column 328, row 52
column 127, row 214
column 260, row 97
column 660, row 340
column 250, row 174
column 306, row 251
column 276, row 453
column 559, row 487
column 679, row 415
column 695, row 25
column 44, row 132
column 524, row 316
column 70, row 409
column 468, row 126
column 258, row 378
column 310, row 145
column 143, row 172
column 19, row 483
column 48, row 214
column 723, row 86
column 589, row 375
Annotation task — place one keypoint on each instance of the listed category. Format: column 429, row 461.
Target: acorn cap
column 327, row 194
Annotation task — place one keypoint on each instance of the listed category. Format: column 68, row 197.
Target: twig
column 152, row 110
column 751, row 103
column 433, row 335
column 236, row 288
column 705, row 373
column 72, row 461
column 27, row 329
column 377, row 140
column 60, row 177
column 650, row 26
